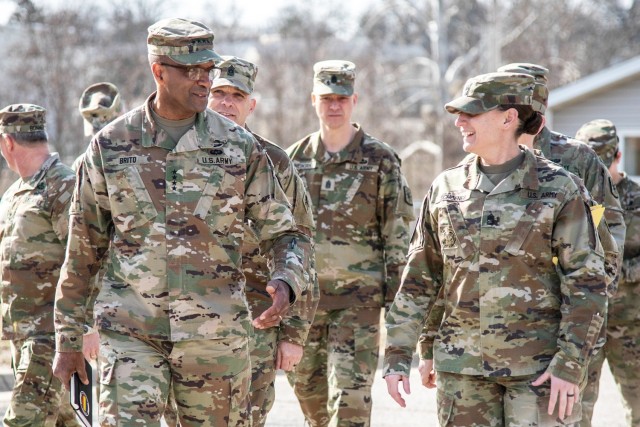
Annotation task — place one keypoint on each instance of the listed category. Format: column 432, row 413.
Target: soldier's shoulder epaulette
column 379, row 148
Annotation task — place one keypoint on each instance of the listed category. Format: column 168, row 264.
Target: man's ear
column 9, row 142
column 158, row 71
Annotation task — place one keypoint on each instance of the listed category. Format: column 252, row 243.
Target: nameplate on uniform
column 132, row 160
column 361, row 167
column 452, row 196
column 216, row 160
column 532, row 194
column 305, row 165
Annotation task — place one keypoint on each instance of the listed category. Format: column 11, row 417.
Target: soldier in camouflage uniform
column 584, row 163
column 278, row 347
column 162, row 197
column 362, row 207
column 622, row 349
column 33, row 234
column 99, row 104
column 517, row 331
column 577, row 159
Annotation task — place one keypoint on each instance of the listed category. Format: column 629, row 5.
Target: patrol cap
column 539, row 73
column 334, row 76
column 185, row 42
column 99, row 104
column 22, row 118
column 600, row 135
column 236, row 72
column 488, row 91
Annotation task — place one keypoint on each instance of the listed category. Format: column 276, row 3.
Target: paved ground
column 420, row 409
column 421, row 406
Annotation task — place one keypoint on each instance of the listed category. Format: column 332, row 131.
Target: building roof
column 587, row 86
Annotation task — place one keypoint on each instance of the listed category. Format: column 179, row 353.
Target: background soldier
column 277, row 347
column 622, row 349
column 99, row 104
column 33, row 234
column 362, row 208
column 163, row 191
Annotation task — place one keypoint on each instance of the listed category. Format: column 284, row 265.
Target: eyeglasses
column 197, row 73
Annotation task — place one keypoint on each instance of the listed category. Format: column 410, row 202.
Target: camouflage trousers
column 622, row 352
column 262, row 392
column 209, row 380
column 470, row 400
column 333, row 380
column 38, row 398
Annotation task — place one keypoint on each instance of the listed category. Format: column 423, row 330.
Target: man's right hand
column 65, row 364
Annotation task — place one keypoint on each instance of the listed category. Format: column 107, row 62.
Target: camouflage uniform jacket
column 620, row 311
column 295, row 325
column 508, row 310
column 170, row 219
column 34, row 219
column 362, row 207
column 579, row 159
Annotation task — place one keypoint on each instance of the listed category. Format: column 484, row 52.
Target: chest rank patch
column 328, row 184
column 447, row 237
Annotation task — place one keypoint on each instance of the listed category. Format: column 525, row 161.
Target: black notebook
column 82, row 397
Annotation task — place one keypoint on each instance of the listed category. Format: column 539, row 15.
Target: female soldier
column 509, row 244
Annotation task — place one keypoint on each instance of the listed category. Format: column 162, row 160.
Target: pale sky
column 255, row 11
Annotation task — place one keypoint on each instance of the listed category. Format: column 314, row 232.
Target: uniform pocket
column 220, row 202
column 546, row 420
column 131, row 204
column 445, row 407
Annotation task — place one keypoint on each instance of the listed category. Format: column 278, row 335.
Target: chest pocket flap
column 523, row 227
column 460, row 229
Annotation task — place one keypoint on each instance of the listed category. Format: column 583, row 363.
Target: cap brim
column 195, row 58
column 468, row 105
column 227, row 82
column 322, row 89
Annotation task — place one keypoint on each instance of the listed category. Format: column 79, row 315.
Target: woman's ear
column 510, row 116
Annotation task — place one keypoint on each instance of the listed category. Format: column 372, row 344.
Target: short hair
column 27, row 138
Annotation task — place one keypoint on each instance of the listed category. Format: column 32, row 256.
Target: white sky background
column 256, row 12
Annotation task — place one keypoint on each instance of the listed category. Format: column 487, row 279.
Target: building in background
column 610, row 94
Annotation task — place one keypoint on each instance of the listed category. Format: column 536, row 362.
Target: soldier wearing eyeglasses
column 162, row 198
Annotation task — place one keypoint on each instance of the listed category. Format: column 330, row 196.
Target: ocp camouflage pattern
column 362, row 208
column 508, row 310
column 170, row 221
column 34, row 219
column 256, row 270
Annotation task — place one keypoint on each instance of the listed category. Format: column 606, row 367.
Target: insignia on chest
column 328, row 184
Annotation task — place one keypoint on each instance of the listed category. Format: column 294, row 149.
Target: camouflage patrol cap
column 99, row 104
column 600, row 135
column 539, row 73
column 488, row 91
column 334, row 76
column 185, row 42
column 236, row 72
column 22, row 118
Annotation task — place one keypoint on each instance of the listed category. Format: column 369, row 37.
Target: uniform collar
column 351, row 153
column 32, row 182
column 152, row 136
column 524, row 177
